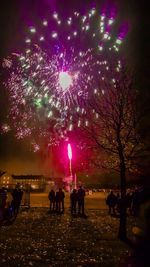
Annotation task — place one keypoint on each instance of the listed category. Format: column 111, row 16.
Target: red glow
column 69, row 152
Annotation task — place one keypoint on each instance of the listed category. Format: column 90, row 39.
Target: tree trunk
column 123, row 216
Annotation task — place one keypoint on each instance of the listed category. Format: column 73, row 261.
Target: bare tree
column 110, row 125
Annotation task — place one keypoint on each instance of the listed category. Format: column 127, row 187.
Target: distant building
column 36, row 182
column 6, row 180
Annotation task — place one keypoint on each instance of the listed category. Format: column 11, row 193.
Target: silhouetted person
column 7, row 212
column 20, row 195
column 111, row 202
column 81, row 195
column 3, row 198
column 61, row 196
column 52, row 198
column 17, row 197
column 73, row 198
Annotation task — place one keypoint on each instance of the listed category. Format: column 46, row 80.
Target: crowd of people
column 76, row 200
column 132, row 202
column 56, row 200
column 9, row 209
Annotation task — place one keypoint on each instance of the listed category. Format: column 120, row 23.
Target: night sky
column 16, row 156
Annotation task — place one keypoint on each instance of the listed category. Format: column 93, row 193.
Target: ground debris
column 40, row 239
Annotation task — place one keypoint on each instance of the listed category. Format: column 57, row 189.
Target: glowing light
column 102, row 29
column 119, row 41
column 86, row 123
column 93, row 11
column 45, row 23
column 106, row 35
column 65, row 80
column 69, row 152
column 50, row 114
column 55, row 15
column 79, row 123
column 32, row 30
column 28, row 51
column 76, row 75
column 110, row 21
column 70, row 127
column 87, row 27
column 28, row 41
column 22, row 58
column 102, row 17
column 100, row 48
column 75, row 33
column 54, row 35
column 84, row 19
column 69, row 21
column 42, row 38
column 76, row 14
column 5, row 128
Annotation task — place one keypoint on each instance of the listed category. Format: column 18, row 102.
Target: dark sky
column 14, row 14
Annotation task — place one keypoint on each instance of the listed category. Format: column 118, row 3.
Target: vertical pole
column 75, row 181
column 70, row 167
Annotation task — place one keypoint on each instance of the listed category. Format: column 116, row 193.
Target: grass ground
column 40, row 239
column 94, row 201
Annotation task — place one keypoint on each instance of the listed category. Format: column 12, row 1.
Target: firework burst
column 57, row 71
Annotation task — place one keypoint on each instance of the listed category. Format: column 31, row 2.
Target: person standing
column 73, row 198
column 20, row 196
column 81, row 196
column 3, row 198
column 111, row 201
column 51, row 197
column 61, row 197
column 16, row 200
